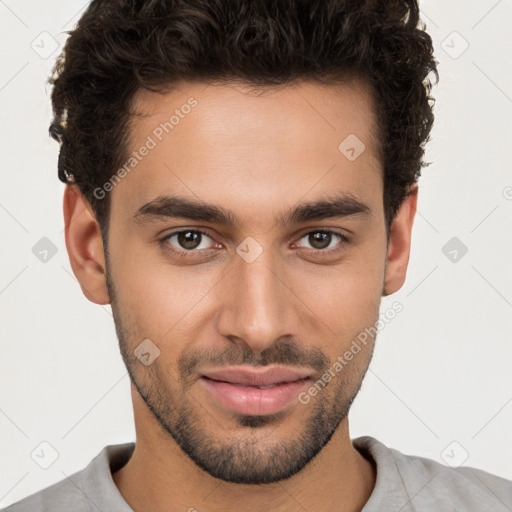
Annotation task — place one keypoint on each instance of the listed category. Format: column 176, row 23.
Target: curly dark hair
column 120, row 46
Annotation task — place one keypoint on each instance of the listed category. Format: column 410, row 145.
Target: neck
column 160, row 477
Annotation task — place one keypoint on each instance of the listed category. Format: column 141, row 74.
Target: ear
column 84, row 245
column 399, row 244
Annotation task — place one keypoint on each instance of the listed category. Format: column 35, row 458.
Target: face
column 258, row 279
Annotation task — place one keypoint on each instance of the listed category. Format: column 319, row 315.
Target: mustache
column 282, row 352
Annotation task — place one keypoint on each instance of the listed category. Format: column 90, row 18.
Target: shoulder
column 87, row 490
column 62, row 496
column 419, row 483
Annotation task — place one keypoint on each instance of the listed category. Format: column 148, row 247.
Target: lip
column 262, row 377
column 235, row 388
column 254, row 401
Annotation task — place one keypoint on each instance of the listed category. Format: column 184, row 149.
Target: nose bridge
column 257, row 306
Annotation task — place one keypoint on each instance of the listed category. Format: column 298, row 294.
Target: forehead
column 237, row 143
column 248, row 112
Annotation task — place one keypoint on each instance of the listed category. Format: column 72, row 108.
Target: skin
column 294, row 305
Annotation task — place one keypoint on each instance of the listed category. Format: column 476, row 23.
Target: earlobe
column 400, row 244
column 84, row 245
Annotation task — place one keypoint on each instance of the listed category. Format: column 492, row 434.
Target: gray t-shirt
column 404, row 484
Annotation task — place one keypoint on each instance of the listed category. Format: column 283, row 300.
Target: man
column 242, row 184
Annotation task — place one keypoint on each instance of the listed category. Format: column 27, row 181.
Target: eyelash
column 194, row 252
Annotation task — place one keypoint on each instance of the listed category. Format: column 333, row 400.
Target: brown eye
column 322, row 240
column 188, row 240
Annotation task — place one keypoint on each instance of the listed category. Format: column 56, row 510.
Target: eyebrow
column 176, row 207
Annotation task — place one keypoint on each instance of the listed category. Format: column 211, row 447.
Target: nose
column 257, row 305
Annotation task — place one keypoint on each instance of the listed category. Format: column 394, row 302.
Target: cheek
column 346, row 298
column 157, row 297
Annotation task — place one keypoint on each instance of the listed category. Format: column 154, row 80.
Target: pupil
column 318, row 239
column 188, row 239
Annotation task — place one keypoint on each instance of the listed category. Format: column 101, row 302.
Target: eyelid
column 182, row 230
column 182, row 252
column 343, row 237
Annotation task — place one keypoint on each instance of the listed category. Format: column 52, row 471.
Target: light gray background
column 440, row 384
